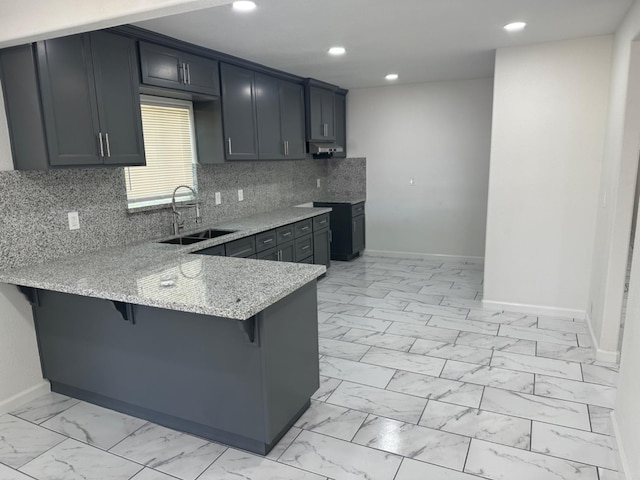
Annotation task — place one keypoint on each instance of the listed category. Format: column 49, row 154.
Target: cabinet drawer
column 308, row 260
column 303, row 228
column 265, row 240
column 271, row 254
column 304, row 247
column 284, row 234
column 357, row 209
column 245, row 247
column 320, row 222
column 217, row 251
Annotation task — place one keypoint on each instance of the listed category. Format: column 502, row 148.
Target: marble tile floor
column 418, row 382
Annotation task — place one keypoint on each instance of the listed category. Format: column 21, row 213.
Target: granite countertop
column 166, row 276
column 343, row 198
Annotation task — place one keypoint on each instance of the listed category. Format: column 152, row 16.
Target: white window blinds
column 169, row 146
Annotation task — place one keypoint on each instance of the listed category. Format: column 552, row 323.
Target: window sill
column 158, row 206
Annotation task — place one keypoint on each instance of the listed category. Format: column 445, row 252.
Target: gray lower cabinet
column 217, row 251
column 322, row 247
column 169, row 68
column 242, row 248
column 239, row 113
column 303, row 247
column 271, row 254
column 74, row 101
column 348, row 238
column 287, row 251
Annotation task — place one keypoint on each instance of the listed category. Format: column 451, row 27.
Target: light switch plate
column 74, row 221
column 218, row 198
column 240, row 195
column 318, row 183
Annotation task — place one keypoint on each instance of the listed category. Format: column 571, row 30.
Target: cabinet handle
column 286, row 147
column 101, row 144
column 184, row 73
column 304, row 228
column 188, row 74
column 286, row 234
column 229, row 141
column 306, row 247
column 354, row 225
column 325, row 129
column 106, row 138
column 268, row 241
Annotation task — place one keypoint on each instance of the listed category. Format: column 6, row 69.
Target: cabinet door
column 69, row 101
column 161, row 66
column 202, row 75
column 287, row 252
column 239, row 113
column 322, row 247
column 320, row 120
column 328, row 114
column 341, row 123
column 115, row 65
column 270, row 141
column 358, row 236
column 292, row 119
column 271, row 254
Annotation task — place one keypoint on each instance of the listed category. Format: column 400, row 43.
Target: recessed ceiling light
column 337, row 51
column 243, row 6
column 392, row 76
column 515, row 26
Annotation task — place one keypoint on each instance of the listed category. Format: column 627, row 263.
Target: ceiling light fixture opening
column 337, row 51
column 244, row 6
column 392, row 76
column 515, row 26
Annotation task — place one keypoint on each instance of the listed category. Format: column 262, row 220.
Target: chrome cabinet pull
column 306, row 247
column 229, row 141
column 106, row 137
column 188, row 74
column 184, row 73
column 268, row 241
column 101, row 144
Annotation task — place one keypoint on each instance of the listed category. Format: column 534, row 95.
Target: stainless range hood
column 324, row 149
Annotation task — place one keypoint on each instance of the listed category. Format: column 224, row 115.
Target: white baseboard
column 25, row 396
column 601, row 355
column 533, row 309
column 427, row 256
column 624, row 470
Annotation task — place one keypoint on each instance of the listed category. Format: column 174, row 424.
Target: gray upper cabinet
column 115, row 66
column 177, row 70
column 341, row 123
column 69, row 103
column 292, row 119
column 239, row 113
column 280, row 114
column 320, row 114
column 73, row 101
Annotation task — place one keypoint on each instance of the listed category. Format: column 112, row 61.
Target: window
column 169, row 145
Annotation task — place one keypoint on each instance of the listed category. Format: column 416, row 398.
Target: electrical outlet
column 74, row 221
column 218, row 198
column 317, row 183
column 240, row 195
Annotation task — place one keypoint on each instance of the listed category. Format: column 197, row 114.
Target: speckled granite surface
column 342, row 198
column 166, row 276
column 346, row 177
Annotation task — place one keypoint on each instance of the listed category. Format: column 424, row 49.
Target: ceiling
column 421, row 40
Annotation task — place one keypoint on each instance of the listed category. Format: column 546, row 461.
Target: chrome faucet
column 178, row 221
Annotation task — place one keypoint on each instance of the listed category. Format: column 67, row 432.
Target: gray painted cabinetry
column 320, row 114
column 348, row 229
column 263, row 116
column 341, row 122
column 74, row 101
column 166, row 67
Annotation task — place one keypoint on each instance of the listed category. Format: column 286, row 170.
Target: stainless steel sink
column 198, row 237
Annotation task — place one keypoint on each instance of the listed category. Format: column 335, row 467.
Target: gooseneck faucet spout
column 178, row 221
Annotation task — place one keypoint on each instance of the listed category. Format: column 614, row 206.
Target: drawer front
column 244, row 248
column 217, row 251
column 265, row 241
column 303, row 228
column 307, row 260
column 284, row 234
column 304, row 247
column 271, row 254
column 357, row 209
column 320, row 222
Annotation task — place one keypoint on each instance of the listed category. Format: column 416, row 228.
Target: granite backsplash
column 347, row 176
column 34, row 205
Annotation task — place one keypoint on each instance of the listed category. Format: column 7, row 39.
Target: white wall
column 549, row 117
column 438, row 134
